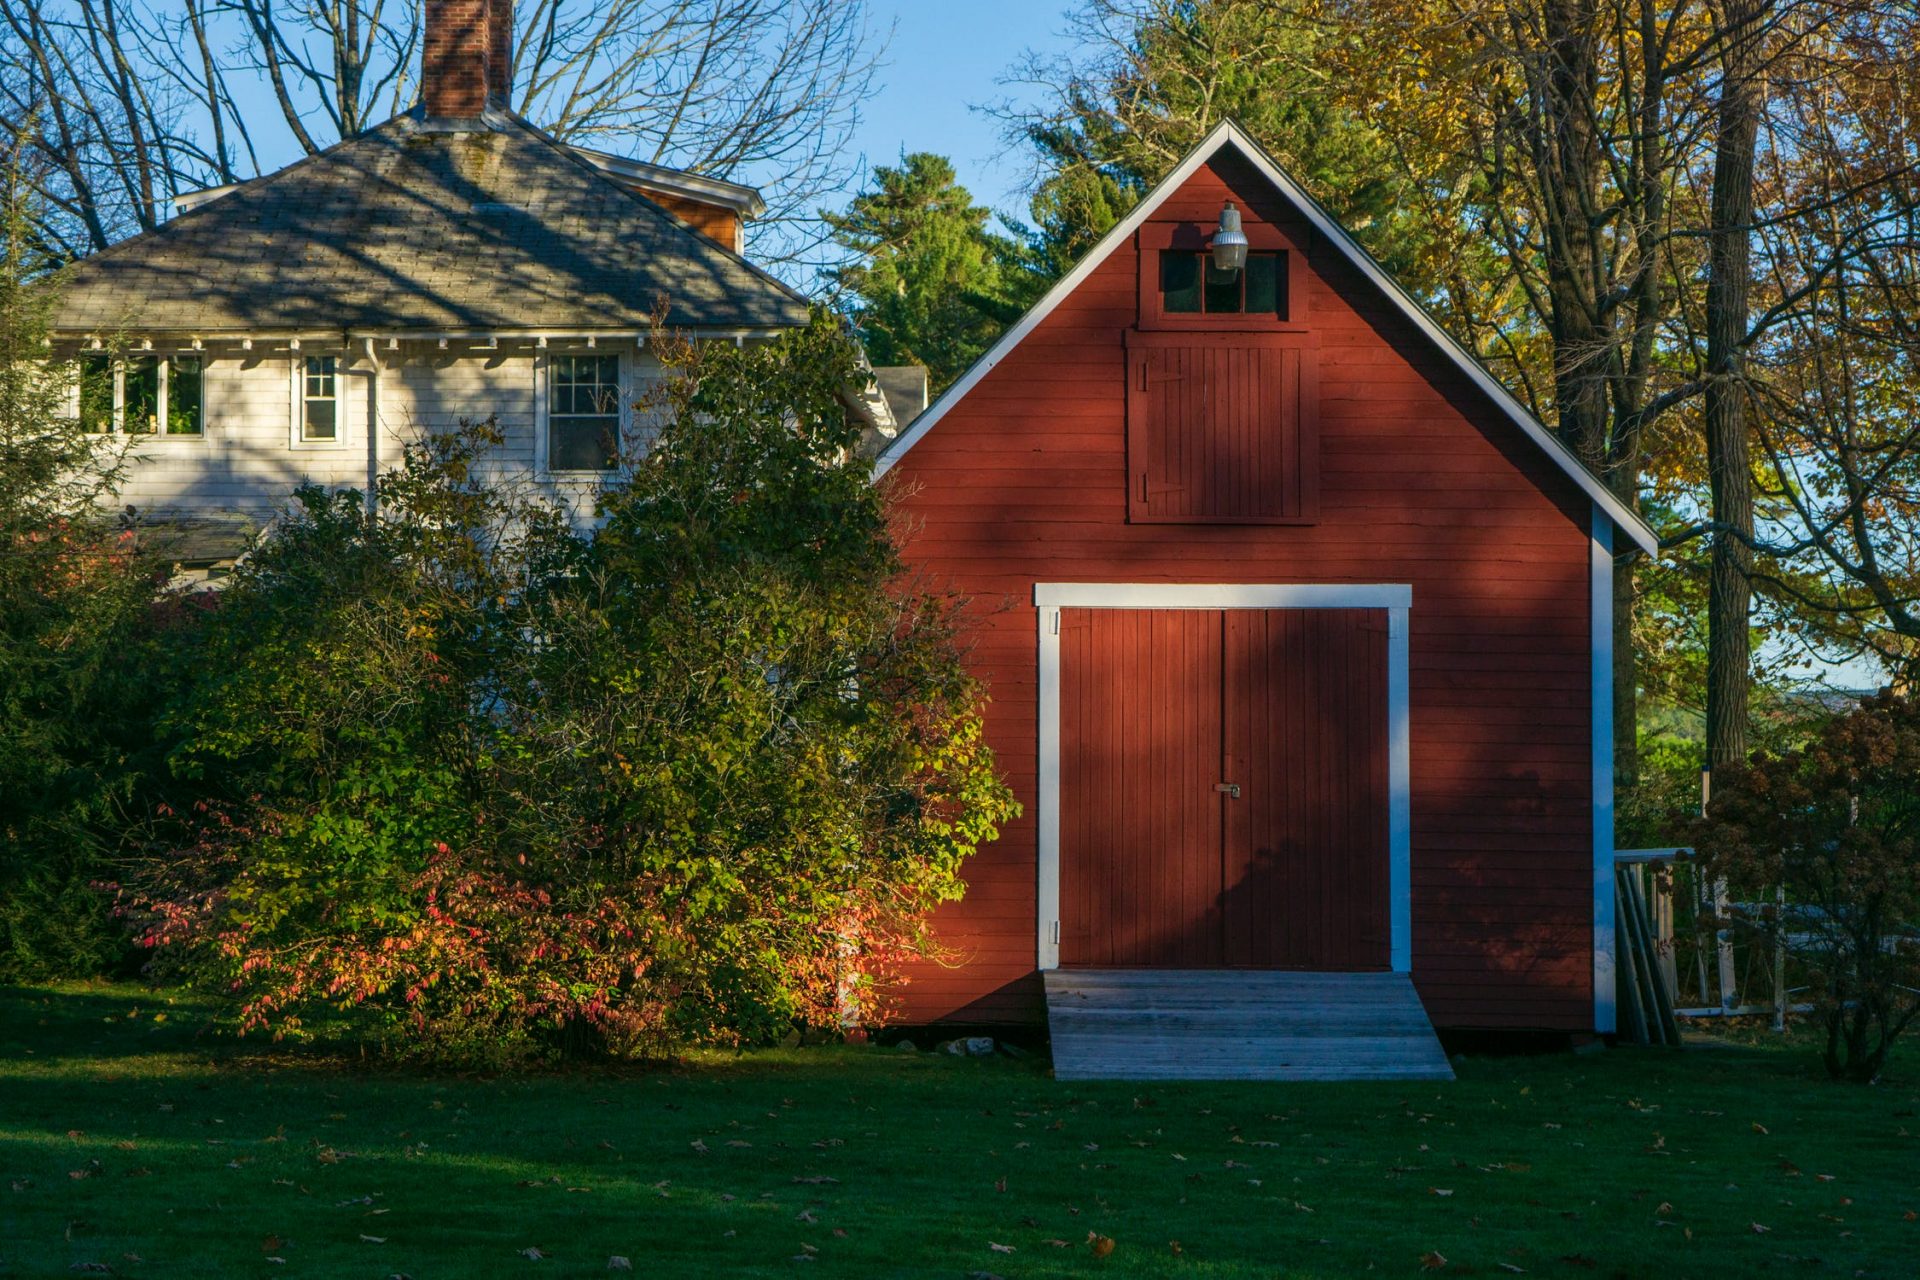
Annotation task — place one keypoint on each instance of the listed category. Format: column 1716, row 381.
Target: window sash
column 583, row 413
column 185, row 397
column 320, row 399
column 140, row 394
column 1190, row 286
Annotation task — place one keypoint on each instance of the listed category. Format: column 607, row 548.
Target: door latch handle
column 1229, row 789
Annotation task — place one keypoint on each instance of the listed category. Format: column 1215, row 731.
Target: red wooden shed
column 1297, row 630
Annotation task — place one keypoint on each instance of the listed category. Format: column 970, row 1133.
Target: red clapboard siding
column 1026, row 480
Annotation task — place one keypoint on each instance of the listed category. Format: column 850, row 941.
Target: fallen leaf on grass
column 533, row 1253
column 1758, row 1229
column 1102, row 1246
column 618, row 1263
column 699, row 1146
column 999, row 1248
column 1432, row 1260
column 817, row 1180
column 1057, row 1244
column 1759, row 1128
column 1440, row 1191
column 1508, row 1266
column 365, row 1239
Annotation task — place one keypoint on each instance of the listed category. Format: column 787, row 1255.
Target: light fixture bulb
column 1229, row 245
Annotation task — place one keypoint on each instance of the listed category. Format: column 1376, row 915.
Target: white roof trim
column 743, row 200
column 1622, row 516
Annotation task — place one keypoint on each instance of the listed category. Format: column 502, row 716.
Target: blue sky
column 944, row 61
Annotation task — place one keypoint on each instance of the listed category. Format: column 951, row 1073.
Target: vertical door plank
column 1306, row 862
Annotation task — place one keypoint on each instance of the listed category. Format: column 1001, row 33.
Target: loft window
column 1191, row 285
column 320, row 399
column 583, row 413
column 139, row 393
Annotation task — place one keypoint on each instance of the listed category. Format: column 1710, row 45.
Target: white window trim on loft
column 1395, row 598
column 164, row 359
column 344, row 420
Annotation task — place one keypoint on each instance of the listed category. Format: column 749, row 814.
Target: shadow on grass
column 202, row 1156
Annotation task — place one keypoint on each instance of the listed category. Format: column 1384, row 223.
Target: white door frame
column 1396, row 598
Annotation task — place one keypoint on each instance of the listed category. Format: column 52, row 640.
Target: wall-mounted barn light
column 1229, row 245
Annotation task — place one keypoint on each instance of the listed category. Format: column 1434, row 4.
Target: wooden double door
column 1224, row 788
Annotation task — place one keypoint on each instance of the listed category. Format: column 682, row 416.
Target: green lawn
column 129, row 1139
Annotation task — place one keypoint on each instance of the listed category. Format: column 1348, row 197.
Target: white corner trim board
column 1226, row 132
column 1395, row 598
column 1600, row 610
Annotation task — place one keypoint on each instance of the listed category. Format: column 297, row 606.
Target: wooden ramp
column 1219, row 1024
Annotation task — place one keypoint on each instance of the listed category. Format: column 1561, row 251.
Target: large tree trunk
column 1729, row 449
column 1569, row 162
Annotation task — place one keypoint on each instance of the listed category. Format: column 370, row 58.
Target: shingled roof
column 408, row 226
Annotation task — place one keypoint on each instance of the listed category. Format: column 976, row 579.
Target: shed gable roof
column 1228, row 134
column 406, row 227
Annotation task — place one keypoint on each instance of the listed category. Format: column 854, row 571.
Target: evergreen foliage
column 82, row 644
column 929, row 281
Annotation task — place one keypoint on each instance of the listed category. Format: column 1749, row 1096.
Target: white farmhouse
column 454, row 262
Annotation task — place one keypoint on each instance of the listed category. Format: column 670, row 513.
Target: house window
column 583, row 413
column 97, row 393
column 184, row 399
column 319, row 399
column 1191, row 285
column 140, row 395
column 137, row 394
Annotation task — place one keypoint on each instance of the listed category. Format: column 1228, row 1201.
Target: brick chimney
column 500, row 52
column 454, row 76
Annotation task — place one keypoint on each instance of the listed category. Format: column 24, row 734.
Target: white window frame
column 164, row 363
column 343, row 419
column 1396, row 598
column 543, row 413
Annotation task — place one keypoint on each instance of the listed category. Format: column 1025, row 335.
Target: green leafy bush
column 83, row 644
column 505, row 789
column 1836, row 825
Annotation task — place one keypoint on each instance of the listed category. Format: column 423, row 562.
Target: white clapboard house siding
column 250, row 455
